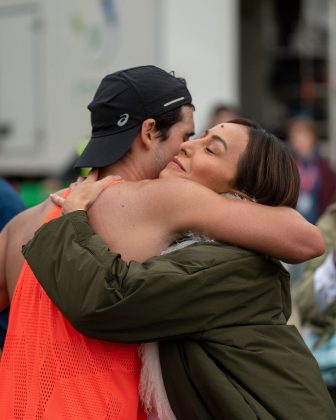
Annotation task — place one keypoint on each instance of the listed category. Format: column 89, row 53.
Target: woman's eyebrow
column 222, row 141
column 216, row 138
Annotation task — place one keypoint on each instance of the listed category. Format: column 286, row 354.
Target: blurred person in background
column 221, row 113
column 315, row 298
column 10, row 205
column 318, row 180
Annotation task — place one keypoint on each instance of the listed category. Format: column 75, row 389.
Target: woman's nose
column 187, row 147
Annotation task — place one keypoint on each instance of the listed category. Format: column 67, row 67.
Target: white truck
column 53, row 53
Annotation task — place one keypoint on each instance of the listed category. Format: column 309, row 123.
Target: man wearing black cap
column 140, row 116
column 135, row 111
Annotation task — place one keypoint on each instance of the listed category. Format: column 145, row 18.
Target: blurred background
column 269, row 60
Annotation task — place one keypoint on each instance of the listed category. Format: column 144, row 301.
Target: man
column 132, row 112
column 318, row 179
column 144, row 113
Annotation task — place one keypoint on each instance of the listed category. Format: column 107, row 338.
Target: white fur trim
column 151, row 389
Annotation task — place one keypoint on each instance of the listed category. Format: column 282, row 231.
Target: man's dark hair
column 165, row 121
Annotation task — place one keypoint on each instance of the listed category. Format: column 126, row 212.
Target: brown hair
column 266, row 170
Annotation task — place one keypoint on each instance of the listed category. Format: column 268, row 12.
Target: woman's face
column 212, row 159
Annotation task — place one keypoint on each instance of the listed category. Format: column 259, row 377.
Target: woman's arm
column 181, row 205
column 279, row 232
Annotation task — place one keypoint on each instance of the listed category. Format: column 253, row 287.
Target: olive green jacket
column 218, row 311
column 323, row 323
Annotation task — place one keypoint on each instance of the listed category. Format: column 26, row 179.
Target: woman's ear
column 148, row 132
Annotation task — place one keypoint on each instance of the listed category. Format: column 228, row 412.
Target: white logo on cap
column 173, row 101
column 123, row 120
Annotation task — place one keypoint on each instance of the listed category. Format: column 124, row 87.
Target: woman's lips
column 177, row 163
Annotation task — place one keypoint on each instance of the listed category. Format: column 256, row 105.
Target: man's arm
column 176, row 295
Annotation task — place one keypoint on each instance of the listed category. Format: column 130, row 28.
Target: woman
column 218, row 311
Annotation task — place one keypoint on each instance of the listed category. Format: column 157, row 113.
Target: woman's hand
column 84, row 192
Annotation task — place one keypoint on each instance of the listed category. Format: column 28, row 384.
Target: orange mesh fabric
column 50, row 371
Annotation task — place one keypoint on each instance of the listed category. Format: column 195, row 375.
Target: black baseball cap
column 122, row 102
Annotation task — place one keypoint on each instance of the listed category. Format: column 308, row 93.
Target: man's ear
column 148, row 132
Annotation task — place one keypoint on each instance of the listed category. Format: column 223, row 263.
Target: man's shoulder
column 30, row 219
column 19, row 231
column 178, row 184
column 168, row 188
column 156, row 194
column 177, row 194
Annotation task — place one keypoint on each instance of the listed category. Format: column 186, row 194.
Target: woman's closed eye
column 214, row 148
column 210, row 150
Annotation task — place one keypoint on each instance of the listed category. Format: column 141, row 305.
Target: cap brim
column 106, row 150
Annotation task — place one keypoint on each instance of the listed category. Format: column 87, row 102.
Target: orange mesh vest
column 50, row 371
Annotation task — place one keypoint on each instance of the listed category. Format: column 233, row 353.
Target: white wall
column 75, row 45
column 199, row 40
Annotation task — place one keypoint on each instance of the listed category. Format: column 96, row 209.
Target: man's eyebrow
column 206, row 132
column 218, row 138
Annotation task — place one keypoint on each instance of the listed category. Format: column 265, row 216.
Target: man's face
column 178, row 133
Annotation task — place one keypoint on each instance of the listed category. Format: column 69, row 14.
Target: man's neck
column 126, row 169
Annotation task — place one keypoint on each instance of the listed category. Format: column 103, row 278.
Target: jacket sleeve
column 177, row 295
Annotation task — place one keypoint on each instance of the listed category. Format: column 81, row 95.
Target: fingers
column 73, row 185
column 56, row 199
column 84, row 192
column 93, row 175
